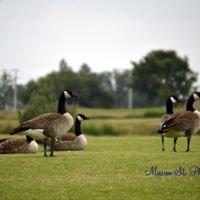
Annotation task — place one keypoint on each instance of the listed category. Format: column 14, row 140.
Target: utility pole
column 130, row 98
column 15, row 89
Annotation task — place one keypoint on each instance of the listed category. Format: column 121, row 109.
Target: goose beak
column 74, row 95
column 86, row 118
column 180, row 101
column 159, row 131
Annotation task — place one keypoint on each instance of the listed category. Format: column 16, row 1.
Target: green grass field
column 110, row 168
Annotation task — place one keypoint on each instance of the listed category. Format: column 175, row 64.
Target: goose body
column 20, row 145
column 78, row 143
column 169, row 111
column 70, row 141
column 184, row 123
column 52, row 124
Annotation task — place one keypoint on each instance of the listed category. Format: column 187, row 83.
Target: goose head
column 81, row 117
column 68, row 94
column 63, row 97
column 193, row 97
column 196, row 95
column 29, row 139
column 172, row 99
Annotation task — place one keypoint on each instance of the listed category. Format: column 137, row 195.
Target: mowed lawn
column 110, row 168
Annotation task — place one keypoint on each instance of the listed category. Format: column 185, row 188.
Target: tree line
column 152, row 79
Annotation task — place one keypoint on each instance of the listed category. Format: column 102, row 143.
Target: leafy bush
column 153, row 113
column 7, row 129
column 100, row 130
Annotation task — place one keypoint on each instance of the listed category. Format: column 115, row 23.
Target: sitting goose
column 52, row 124
column 70, row 141
column 184, row 123
column 18, row 145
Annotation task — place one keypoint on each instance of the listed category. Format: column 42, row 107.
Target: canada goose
column 183, row 123
column 52, row 124
column 19, row 145
column 70, row 141
column 169, row 110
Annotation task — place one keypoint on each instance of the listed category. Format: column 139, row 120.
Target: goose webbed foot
column 188, row 144
column 45, row 147
column 52, row 147
column 175, row 141
column 163, row 143
column 174, row 150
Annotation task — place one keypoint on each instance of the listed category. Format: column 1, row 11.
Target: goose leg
column 45, row 147
column 175, row 140
column 163, row 143
column 52, row 146
column 188, row 143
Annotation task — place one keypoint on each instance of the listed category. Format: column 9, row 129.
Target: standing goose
column 52, row 124
column 70, row 141
column 183, row 123
column 169, row 111
column 20, row 145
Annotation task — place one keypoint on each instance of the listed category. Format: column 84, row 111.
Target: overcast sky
column 106, row 34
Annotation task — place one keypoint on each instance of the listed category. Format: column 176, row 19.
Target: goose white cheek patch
column 66, row 94
column 173, row 100
column 195, row 96
column 80, row 118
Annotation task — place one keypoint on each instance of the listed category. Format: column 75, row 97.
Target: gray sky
column 36, row 34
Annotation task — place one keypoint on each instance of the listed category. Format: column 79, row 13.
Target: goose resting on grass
column 184, row 123
column 53, row 124
column 70, row 141
column 18, row 145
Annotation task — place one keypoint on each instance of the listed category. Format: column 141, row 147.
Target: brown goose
column 71, row 141
column 20, row 145
column 52, row 124
column 169, row 110
column 184, row 123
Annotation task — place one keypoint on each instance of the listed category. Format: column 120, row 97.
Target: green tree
column 26, row 91
column 159, row 74
column 43, row 97
column 63, row 65
column 85, row 69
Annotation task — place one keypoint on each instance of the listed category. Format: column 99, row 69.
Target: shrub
column 100, row 130
column 7, row 129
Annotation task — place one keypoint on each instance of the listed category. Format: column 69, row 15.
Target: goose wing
column 40, row 122
column 181, row 121
column 9, row 145
column 68, row 136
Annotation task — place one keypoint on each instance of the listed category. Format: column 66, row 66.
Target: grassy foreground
column 110, row 168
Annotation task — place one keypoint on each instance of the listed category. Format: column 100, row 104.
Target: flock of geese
column 180, row 124
column 55, row 127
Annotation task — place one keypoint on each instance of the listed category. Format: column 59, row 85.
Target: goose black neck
column 169, row 106
column 77, row 127
column 61, row 104
column 189, row 105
